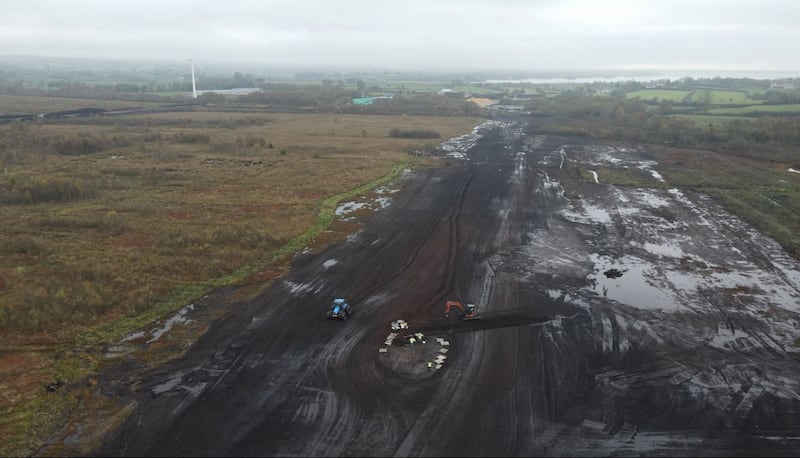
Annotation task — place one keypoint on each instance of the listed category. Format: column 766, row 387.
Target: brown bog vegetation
column 103, row 216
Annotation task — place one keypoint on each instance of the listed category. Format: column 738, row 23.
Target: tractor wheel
column 344, row 315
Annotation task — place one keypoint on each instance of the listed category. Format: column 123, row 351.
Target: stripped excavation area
column 609, row 320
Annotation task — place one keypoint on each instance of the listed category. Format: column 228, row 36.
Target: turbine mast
column 194, row 86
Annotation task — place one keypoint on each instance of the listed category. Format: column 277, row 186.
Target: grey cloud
column 414, row 33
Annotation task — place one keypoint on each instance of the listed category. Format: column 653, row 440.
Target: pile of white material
column 390, row 339
column 440, row 359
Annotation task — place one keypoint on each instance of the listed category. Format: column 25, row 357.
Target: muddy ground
column 613, row 321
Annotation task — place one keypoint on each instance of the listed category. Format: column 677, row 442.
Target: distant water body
column 235, row 91
column 643, row 78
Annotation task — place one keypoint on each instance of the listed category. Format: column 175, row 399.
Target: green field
column 711, row 96
column 723, row 97
column 673, row 95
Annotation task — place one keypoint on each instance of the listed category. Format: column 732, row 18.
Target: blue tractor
column 340, row 309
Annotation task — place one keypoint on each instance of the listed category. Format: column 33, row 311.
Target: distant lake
column 235, row 91
column 646, row 77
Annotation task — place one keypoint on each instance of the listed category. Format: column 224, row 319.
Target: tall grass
column 161, row 208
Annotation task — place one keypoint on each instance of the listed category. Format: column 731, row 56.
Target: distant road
column 88, row 111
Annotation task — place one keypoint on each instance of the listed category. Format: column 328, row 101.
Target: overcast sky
column 760, row 35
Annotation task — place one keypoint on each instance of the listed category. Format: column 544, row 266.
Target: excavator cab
column 470, row 311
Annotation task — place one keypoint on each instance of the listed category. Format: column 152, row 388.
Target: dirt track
column 689, row 352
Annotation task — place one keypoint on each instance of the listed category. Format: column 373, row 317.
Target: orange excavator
column 467, row 313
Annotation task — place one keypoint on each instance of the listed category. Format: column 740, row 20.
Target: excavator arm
column 450, row 304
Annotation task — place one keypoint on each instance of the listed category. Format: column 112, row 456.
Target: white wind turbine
column 194, row 86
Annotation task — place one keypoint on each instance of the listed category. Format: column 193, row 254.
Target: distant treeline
column 337, row 99
column 328, row 97
column 782, row 97
column 237, row 80
column 418, row 104
column 774, row 138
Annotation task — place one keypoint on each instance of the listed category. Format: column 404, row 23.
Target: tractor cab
column 340, row 309
column 338, row 305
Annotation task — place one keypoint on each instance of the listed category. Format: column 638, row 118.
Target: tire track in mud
column 417, row 432
column 446, row 402
column 384, row 269
column 359, row 371
column 473, row 376
column 396, row 270
column 329, row 371
column 350, row 374
column 348, row 378
column 332, row 413
column 451, row 268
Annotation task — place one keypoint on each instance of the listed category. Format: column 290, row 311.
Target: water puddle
column 383, row 202
column 385, row 190
column 457, row 147
column 300, row 289
column 628, row 280
column 589, row 214
column 380, row 202
column 651, row 199
column 179, row 318
column 349, row 207
column 519, row 170
column 597, row 213
column 354, row 236
column 115, row 351
column 667, row 249
column 133, row 336
column 657, row 176
column 166, row 386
